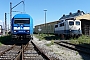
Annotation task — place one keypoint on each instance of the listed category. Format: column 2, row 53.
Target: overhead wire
column 24, row 6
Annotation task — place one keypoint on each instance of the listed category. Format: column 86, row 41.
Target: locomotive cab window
column 77, row 23
column 56, row 26
column 62, row 24
column 21, row 21
column 71, row 22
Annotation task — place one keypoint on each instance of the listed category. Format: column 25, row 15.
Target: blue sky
column 55, row 9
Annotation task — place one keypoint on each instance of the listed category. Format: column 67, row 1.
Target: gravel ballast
column 61, row 52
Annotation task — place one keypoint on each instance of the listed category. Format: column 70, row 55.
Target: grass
column 49, row 44
column 77, row 53
column 62, row 52
column 82, row 40
column 42, row 37
column 47, row 37
column 4, row 39
column 0, row 43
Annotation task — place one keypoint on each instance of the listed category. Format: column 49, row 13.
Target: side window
column 62, row 24
column 56, row 26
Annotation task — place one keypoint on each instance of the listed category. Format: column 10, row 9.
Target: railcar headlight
column 69, row 29
column 27, row 31
column 14, row 31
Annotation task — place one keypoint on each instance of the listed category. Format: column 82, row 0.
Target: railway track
column 10, row 53
column 75, row 47
column 32, row 52
column 29, row 51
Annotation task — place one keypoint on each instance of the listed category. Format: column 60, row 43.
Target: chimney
column 70, row 13
column 78, row 11
column 63, row 15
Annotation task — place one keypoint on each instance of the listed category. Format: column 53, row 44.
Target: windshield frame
column 21, row 21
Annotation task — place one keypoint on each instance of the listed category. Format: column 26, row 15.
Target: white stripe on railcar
column 16, row 28
column 26, row 28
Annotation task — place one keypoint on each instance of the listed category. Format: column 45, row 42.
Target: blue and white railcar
column 68, row 27
column 22, row 26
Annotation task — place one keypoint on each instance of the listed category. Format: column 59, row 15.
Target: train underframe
column 72, row 36
column 68, row 36
column 22, row 37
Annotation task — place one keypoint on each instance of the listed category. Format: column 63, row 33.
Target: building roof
column 79, row 15
column 48, row 23
column 72, row 15
column 85, row 16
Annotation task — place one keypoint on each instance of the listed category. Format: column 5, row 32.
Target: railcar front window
column 71, row 23
column 21, row 21
column 77, row 23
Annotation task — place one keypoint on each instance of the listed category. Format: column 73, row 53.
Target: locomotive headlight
column 69, row 29
column 14, row 31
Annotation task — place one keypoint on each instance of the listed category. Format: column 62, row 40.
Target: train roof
column 21, row 16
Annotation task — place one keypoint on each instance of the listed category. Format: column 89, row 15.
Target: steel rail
column 73, row 48
column 41, row 51
column 7, row 50
column 75, row 45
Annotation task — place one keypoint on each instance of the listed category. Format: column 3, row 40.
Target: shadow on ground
column 52, row 38
column 6, row 40
column 84, row 55
column 58, row 38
